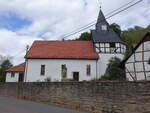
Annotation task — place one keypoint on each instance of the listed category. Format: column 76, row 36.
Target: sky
column 23, row 21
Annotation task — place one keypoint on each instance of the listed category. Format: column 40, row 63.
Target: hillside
column 133, row 35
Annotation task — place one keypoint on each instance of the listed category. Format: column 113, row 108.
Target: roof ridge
column 62, row 49
column 17, row 66
column 62, row 40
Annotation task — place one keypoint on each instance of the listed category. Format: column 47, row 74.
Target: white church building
column 73, row 60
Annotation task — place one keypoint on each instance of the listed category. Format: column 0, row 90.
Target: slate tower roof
column 101, row 35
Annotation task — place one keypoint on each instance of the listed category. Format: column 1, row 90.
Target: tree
column 5, row 65
column 138, row 28
column 114, row 71
column 148, row 26
column 85, row 36
column 116, row 28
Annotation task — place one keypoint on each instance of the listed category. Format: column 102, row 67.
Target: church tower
column 106, row 43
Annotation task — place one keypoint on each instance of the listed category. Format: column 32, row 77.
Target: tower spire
column 101, row 21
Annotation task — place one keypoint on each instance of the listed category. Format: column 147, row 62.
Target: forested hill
column 133, row 35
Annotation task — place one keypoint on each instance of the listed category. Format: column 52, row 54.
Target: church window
column 88, row 70
column 12, row 74
column 42, row 69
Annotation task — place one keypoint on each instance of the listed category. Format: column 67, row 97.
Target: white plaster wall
column 148, row 76
column 104, row 60
column 53, row 69
column 12, row 79
column 139, row 65
column 129, row 78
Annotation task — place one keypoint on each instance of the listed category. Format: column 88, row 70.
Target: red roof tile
column 62, row 50
column 18, row 68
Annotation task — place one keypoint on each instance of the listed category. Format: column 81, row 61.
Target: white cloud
column 53, row 18
column 136, row 15
column 14, row 45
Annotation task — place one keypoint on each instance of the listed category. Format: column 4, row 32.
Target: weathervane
column 100, row 3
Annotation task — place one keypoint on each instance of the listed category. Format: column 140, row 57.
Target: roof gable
column 144, row 39
column 104, row 36
column 62, row 50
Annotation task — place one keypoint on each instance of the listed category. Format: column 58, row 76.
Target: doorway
column 76, row 76
column 21, row 77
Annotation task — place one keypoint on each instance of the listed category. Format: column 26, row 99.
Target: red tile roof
column 18, row 68
column 62, row 50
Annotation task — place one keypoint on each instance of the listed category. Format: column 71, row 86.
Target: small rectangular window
column 88, row 70
column 42, row 69
column 12, row 74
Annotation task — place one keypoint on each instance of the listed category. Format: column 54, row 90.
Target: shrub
column 48, row 79
column 113, row 71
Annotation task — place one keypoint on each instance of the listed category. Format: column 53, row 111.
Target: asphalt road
column 8, row 105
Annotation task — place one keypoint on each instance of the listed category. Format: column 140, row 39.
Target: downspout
column 96, row 69
column 26, row 64
column 26, row 67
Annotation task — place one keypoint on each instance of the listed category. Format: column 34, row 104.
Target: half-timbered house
column 137, row 65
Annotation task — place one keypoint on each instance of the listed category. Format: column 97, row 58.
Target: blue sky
column 23, row 21
column 13, row 22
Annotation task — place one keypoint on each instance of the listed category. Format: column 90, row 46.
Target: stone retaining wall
column 99, row 97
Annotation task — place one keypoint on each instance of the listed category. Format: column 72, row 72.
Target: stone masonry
column 96, row 97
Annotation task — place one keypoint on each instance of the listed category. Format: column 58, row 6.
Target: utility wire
column 115, row 12
column 96, row 20
column 102, row 19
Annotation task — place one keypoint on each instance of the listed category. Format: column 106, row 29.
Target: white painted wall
column 104, row 60
column 138, row 64
column 12, row 79
column 53, row 69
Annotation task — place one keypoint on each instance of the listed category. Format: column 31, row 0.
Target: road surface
column 8, row 105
